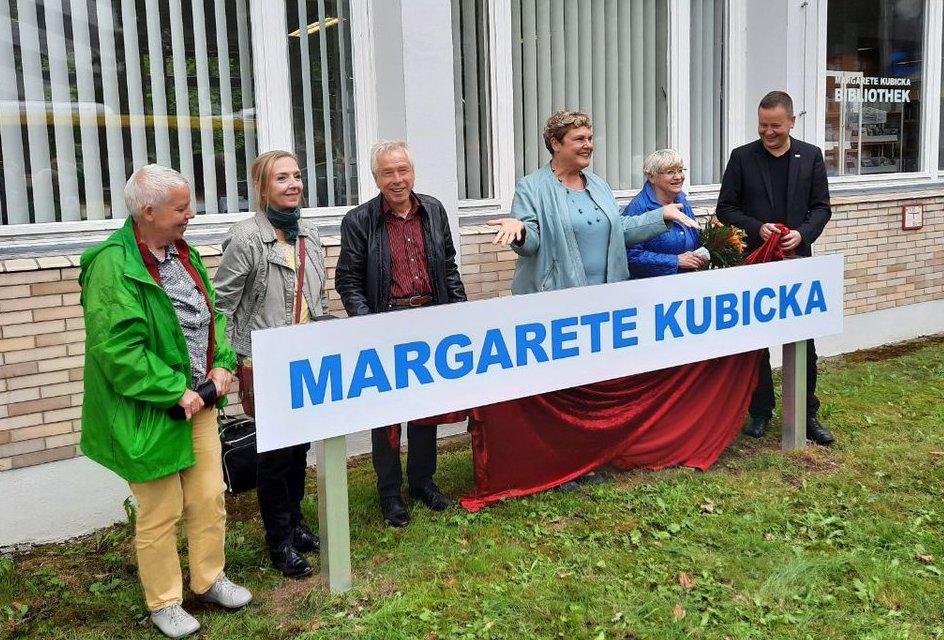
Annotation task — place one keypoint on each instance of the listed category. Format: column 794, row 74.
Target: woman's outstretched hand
column 509, row 230
column 674, row 213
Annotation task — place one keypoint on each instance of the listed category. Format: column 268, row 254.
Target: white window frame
column 270, row 52
column 273, row 122
column 502, row 114
column 933, row 53
column 680, row 37
column 930, row 102
column 501, row 75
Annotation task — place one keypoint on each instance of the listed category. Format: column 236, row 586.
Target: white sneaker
column 174, row 622
column 226, row 594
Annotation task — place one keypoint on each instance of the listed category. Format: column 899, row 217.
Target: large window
column 607, row 58
column 92, row 90
column 706, row 91
column 873, row 86
column 472, row 77
column 321, row 74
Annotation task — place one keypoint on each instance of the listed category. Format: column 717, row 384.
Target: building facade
column 93, row 90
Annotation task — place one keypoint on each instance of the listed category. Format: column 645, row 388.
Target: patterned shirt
column 191, row 307
column 409, row 270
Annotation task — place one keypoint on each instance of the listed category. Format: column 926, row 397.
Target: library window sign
column 873, row 87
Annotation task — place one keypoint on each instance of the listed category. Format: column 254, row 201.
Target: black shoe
column 394, row 511
column 570, row 485
column 592, row 478
column 304, row 540
column 757, row 428
column 431, row 496
column 818, row 433
column 287, row 560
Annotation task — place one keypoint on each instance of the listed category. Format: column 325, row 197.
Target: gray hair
column 659, row 161
column 149, row 187
column 385, row 147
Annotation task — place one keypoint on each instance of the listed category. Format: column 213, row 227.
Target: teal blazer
column 548, row 259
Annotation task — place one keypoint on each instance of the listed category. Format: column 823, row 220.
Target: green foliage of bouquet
column 725, row 244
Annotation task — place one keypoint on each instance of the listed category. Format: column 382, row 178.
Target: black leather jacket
column 362, row 278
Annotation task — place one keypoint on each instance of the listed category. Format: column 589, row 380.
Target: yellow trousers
column 196, row 494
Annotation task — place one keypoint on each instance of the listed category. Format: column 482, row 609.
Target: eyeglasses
column 674, row 172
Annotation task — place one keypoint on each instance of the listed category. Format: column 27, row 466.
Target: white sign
column 326, row 379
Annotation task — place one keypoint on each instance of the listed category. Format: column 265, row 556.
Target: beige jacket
column 255, row 286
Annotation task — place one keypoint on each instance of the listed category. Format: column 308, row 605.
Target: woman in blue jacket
column 566, row 227
column 672, row 251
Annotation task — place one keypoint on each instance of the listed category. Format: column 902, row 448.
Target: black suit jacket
column 746, row 201
column 362, row 277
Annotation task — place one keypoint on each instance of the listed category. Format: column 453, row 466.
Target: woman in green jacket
column 153, row 336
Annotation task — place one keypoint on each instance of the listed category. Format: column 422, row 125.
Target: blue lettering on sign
column 726, row 310
column 621, row 325
column 595, row 321
column 528, row 338
column 462, row 358
column 368, row 372
column 559, row 336
column 764, row 294
column 494, row 351
column 403, row 364
column 696, row 328
column 302, row 378
column 788, row 299
column 667, row 320
column 817, row 299
column 457, row 355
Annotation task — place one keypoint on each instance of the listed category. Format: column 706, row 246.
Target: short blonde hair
column 261, row 171
column 659, row 161
column 560, row 123
column 384, row 147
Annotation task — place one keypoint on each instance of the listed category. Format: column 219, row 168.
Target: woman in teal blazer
column 566, row 226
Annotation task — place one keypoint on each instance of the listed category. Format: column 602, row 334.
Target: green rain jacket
column 136, row 361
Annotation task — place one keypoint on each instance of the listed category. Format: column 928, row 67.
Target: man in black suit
column 778, row 179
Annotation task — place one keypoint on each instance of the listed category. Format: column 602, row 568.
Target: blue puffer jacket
column 659, row 256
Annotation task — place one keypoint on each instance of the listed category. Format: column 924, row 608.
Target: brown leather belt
column 412, row 301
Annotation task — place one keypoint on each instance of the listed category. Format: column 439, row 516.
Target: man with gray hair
column 397, row 253
column 156, row 361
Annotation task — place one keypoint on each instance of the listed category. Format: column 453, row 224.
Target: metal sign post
column 333, row 517
column 794, row 396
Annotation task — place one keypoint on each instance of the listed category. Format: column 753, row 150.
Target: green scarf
column 287, row 221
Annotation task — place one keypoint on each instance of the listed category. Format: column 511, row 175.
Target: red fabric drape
column 681, row 416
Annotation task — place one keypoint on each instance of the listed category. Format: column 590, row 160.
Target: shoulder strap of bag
column 301, row 279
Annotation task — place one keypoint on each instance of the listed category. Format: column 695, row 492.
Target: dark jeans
column 420, row 458
column 762, row 403
column 280, row 489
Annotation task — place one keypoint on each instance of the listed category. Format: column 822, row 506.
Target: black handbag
column 238, row 439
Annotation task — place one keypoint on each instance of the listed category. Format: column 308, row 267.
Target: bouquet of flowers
column 724, row 244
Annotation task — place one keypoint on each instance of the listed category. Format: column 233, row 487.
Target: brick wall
column 41, row 332
column 885, row 266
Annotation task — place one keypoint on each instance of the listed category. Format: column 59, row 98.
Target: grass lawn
column 843, row 542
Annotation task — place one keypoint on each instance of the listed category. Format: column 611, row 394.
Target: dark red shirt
column 409, row 271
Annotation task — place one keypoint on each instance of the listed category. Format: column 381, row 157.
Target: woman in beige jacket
column 257, row 287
